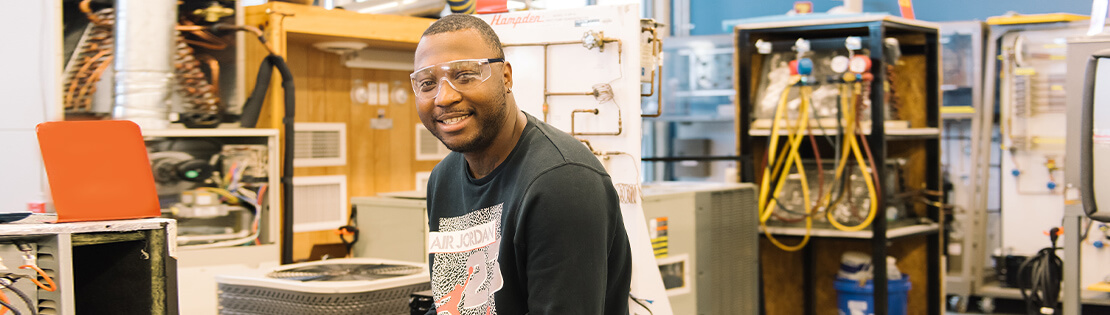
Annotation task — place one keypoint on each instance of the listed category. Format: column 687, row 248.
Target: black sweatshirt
column 541, row 234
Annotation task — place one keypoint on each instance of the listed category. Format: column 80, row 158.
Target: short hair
column 458, row 22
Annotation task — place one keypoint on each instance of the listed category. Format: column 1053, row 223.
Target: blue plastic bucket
column 853, row 299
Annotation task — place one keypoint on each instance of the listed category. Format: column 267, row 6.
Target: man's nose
column 446, row 94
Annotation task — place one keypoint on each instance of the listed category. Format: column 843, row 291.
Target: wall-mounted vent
column 422, row 180
column 319, row 203
column 428, row 147
column 320, row 144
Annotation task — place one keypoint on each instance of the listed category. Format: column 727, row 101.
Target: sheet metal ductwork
column 144, row 45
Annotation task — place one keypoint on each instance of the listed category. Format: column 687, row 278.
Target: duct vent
column 320, row 202
column 320, row 144
column 428, row 147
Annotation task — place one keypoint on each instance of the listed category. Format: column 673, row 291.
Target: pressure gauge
column 859, row 64
column 839, row 64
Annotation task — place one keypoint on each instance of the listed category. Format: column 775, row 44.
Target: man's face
column 467, row 121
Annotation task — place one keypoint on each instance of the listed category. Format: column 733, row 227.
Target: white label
column 857, row 307
column 372, row 93
column 461, row 241
column 383, row 93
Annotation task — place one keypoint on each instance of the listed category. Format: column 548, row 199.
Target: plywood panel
column 378, row 160
column 783, row 282
column 909, row 88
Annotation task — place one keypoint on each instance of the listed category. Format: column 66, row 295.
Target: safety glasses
column 462, row 75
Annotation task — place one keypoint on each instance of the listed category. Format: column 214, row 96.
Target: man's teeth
column 455, row 120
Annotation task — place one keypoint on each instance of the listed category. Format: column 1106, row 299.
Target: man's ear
column 507, row 75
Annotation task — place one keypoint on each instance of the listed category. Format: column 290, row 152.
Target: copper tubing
column 208, row 40
column 546, row 93
column 201, row 94
column 659, row 108
column 214, row 71
column 248, row 28
column 595, row 111
column 657, row 49
column 84, row 5
column 90, row 59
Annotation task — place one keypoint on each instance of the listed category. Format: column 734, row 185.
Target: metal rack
column 979, row 281
column 965, row 242
column 872, row 29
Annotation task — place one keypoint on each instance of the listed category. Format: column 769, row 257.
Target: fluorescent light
column 379, row 7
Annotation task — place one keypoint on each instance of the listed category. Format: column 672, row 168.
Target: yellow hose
column 774, row 140
column 852, row 144
column 794, row 140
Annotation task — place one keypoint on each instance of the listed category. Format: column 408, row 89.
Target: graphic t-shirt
column 541, row 234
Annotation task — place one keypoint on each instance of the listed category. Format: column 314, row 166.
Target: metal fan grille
column 250, row 300
column 344, row 272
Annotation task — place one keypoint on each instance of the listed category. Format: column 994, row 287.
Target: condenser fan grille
column 344, row 272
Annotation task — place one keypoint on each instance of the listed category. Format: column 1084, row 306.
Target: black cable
column 22, row 296
column 287, row 160
column 10, row 307
column 351, row 227
column 1045, row 272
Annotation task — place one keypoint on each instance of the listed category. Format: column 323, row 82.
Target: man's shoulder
column 567, row 148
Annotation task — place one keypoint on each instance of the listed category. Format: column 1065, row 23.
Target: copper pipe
column 659, row 102
column 595, row 111
column 95, row 77
column 248, row 28
column 70, row 96
column 657, row 49
column 571, row 94
column 546, row 106
column 84, row 5
column 214, row 70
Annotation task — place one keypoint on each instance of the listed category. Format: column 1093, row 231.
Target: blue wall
column 706, row 15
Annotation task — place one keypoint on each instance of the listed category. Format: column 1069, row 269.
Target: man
column 523, row 218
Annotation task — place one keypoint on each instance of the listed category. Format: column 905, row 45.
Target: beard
column 489, row 125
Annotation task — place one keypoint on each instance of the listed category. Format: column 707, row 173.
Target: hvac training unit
column 869, row 94
column 706, row 241
column 196, row 171
column 394, row 226
column 347, row 286
column 102, row 267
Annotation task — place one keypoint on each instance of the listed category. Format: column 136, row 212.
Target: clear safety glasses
column 462, row 75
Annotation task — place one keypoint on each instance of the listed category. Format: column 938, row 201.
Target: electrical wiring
column 223, row 193
column 7, row 305
column 1045, row 273
column 240, row 241
column 50, row 286
column 22, row 296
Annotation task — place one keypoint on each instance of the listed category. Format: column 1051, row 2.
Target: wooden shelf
column 893, row 233
column 892, row 134
column 325, row 25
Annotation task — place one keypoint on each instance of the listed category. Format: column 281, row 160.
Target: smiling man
column 523, row 218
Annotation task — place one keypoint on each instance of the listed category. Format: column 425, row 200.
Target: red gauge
column 859, row 64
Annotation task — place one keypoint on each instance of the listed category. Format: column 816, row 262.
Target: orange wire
column 88, row 13
column 4, row 297
column 51, row 287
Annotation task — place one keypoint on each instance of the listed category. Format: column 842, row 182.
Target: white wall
column 29, row 84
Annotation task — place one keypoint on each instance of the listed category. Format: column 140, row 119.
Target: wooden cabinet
column 378, row 160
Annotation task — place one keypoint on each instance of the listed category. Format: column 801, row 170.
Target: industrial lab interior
column 853, row 157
